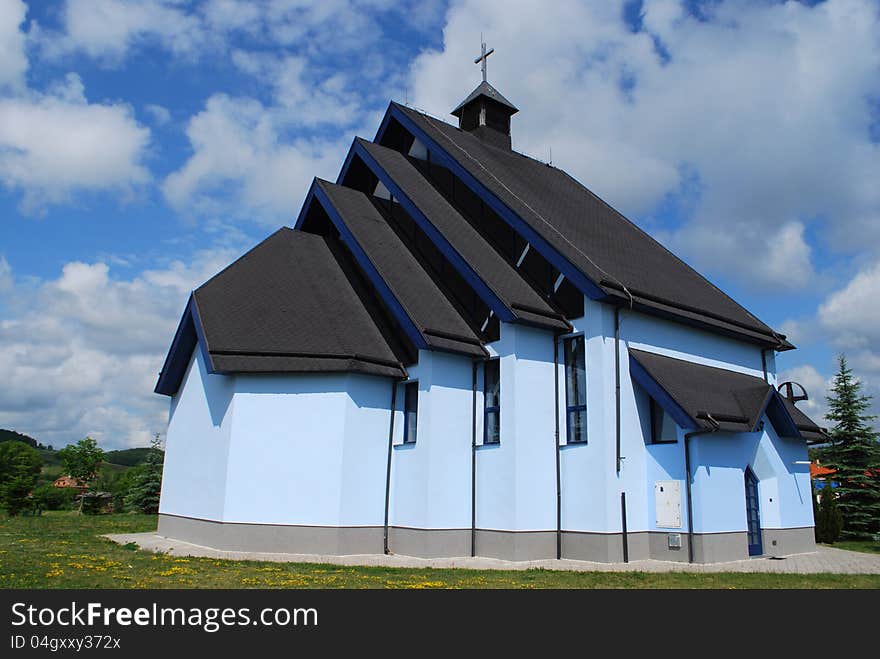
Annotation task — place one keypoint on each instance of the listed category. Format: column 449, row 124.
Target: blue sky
column 145, row 144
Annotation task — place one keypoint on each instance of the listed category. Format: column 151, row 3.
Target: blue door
column 753, row 515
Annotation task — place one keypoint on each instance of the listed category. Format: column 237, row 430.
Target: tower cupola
column 485, row 112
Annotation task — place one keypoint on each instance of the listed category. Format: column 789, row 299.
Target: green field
column 65, row 550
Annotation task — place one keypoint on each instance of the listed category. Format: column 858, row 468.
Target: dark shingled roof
column 805, row 424
column 609, row 249
column 501, row 277
column 735, row 400
column 487, row 90
column 440, row 324
column 287, row 306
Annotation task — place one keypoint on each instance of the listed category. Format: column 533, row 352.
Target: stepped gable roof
column 696, row 395
column 599, row 241
column 440, row 324
column 285, row 306
column 499, row 275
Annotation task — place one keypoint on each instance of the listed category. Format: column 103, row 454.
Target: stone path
column 824, row 559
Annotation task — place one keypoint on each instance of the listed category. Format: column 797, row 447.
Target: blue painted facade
column 311, row 449
column 304, row 449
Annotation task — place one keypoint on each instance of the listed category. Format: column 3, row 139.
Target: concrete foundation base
column 506, row 545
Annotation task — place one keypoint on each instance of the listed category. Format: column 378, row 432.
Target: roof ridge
column 761, row 325
column 666, row 249
column 541, row 217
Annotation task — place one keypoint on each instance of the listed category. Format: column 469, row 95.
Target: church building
column 459, row 350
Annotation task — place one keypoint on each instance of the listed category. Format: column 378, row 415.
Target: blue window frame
column 492, row 402
column 410, row 412
column 753, row 514
column 575, row 389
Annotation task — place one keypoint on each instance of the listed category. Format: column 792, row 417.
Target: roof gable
column 285, row 306
column 487, row 90
column 490, row 274
column 706, row 397
column 617, row 258
column 408, row 289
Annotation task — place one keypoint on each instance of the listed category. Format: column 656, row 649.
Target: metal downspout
column 556, row 436
column 394, row 384
column 617, row 384
column 474, row 459
column 687, row 481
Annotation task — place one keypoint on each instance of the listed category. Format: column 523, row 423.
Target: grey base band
column 273, row 538
column 448, row 543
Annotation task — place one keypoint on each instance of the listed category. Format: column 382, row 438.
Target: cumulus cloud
column 753, row 117
column 851, row 315
column 848, row 320
column 244, row 162
column 816, row 386
column 13, row 60
column 159, row 114
column 56, row 143
column 84, row 349
column 108, row 29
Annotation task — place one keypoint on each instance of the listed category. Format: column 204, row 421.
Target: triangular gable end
column 189, row 334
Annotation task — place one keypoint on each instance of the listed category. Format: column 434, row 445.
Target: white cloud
column 849, row 322
column 159, row 114
column 108, row 29
column 816, row 387
column 55, row 144
column 852, row 314
column 245, row 162
column 5, row 275
column 299, row 99
column 766, row 104
column 13, row 60
column 84, row 349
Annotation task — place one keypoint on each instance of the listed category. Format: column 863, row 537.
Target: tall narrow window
column 410, row 412
column 575, row 389
column 663, row 430
column 492, row 402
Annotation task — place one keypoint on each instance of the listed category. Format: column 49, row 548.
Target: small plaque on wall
column 667, row 495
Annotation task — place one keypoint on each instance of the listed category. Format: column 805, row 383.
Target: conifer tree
column 854, row 453
column 146, row 484
column 829, row 521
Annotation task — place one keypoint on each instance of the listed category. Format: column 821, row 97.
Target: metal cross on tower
column 484, row 55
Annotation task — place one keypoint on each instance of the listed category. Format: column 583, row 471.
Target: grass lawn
column 866, row 546
column 64, row 550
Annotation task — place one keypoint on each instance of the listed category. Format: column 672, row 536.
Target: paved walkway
column 824, row 559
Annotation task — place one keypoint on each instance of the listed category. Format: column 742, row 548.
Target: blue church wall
column 197, row 444
column 719, row 463
column 516, row 478
column 431, row 482
column 316, row 443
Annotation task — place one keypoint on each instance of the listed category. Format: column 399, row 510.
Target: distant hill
column 129, row 457
column 115, row 460
column 11, row 435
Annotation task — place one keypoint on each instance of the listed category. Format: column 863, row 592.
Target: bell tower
column 485, row 112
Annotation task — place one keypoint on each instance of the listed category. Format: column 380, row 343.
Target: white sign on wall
column 667, row 495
